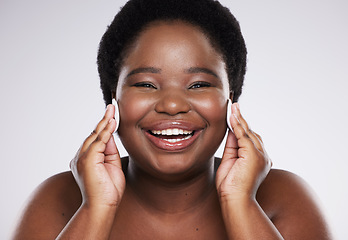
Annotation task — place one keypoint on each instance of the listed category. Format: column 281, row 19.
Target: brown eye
column 145, row 85
column 199, row 85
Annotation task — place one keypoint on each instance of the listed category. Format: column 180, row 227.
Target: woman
column 172, row 66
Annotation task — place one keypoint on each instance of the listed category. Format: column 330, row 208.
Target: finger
column 109, row 113
column 236, row 111
column 231, row 147
column 114, row 160
column 245, row 131
column 245, row 142
column 259, row 137
column 249, row 143
column 256, row 140
column 112, row 155
column 96, row 150
column 228, row 159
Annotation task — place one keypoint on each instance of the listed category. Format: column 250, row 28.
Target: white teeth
column 174, row 140
column 171, row 131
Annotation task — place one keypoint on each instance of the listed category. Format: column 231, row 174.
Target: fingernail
column 108, row 107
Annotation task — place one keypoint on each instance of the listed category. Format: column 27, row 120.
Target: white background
column 294, row 94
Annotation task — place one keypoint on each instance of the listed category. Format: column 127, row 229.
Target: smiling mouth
column 172, row 135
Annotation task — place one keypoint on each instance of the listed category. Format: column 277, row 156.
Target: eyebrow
column 201, row 70
column 144, row 70
column 158, row 70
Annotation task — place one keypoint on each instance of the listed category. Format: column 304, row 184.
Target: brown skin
column 172, row 194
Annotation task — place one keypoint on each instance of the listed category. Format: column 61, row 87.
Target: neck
column 172, row 195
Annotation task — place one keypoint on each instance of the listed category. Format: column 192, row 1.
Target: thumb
column 111, row 153
column 231, row 147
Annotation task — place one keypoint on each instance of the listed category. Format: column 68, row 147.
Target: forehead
column 174, row 41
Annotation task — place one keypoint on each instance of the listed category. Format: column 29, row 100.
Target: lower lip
column 168, row 146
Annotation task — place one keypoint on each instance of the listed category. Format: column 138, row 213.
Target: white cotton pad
column 229, row 113
column 117, row 114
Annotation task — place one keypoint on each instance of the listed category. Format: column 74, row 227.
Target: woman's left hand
column 244, row 164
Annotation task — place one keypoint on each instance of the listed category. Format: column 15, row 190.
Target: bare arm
column 298, row 214
column 49, row 209
column 243, row 168
column 89, row 223
column 82, row 206
column 245, row 219
column 291, row 204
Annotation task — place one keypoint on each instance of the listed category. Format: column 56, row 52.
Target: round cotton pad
column 229, row 113
column 117, row 114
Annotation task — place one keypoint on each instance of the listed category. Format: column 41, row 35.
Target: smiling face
column 172, row 95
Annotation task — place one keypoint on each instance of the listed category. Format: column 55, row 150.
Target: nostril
column 173, row 104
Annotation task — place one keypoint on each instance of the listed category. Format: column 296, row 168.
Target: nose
column 172, row 103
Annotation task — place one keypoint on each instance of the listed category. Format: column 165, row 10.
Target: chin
column 174, row 167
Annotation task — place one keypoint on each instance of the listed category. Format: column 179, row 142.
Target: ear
column 231, row 95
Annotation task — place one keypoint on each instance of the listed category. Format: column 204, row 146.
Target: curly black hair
column 216, row 21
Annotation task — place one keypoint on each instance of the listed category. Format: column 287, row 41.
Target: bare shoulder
column 292, row 206
column 49, row 208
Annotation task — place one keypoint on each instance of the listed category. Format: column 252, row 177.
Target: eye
column 144, row 85
column 199, row 85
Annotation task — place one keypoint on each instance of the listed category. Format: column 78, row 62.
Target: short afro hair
column 216, row 21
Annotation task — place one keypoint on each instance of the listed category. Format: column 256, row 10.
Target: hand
column 97, row 165
column 244, row 164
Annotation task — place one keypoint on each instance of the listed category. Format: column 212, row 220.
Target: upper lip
column 171, row 124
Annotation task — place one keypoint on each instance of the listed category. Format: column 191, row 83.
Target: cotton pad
column 117, row 114
column 229, row 113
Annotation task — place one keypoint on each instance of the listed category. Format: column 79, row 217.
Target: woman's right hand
column 97, row 166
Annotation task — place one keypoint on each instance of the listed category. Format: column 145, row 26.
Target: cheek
column 212, row 107
column 133, row 107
